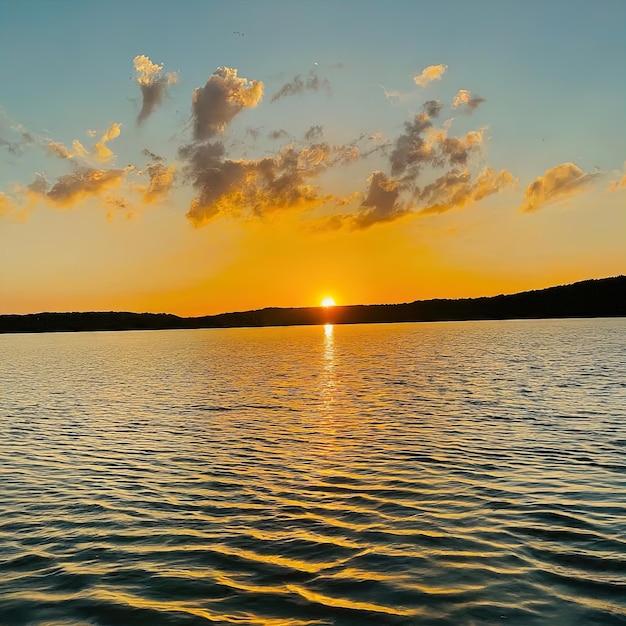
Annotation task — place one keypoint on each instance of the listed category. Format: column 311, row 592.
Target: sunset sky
column 198, row 157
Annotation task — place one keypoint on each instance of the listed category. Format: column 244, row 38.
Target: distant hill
column 605, row 297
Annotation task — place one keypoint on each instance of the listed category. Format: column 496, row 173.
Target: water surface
column 444, row 473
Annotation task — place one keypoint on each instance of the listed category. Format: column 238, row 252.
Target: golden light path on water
column 461, row 473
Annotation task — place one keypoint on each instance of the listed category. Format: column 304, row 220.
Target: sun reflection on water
column 327, row 390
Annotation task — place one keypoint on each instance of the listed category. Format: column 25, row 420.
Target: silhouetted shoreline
column 604, row 297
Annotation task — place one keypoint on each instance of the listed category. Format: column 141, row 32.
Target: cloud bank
column 425, row 170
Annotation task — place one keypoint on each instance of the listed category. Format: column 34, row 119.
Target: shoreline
column 596, row 298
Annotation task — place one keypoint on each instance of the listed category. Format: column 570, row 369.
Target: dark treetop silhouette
column 591, row 298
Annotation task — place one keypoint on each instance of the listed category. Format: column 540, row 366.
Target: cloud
column 6, row 205
column 464, row 100
column 315, row 132
column 161, row 181
column 616, row 185
column 153, row 84
column 11, row 211
column 297, row 85
column 79, row 149
column 244, row 188
column 58, row 149
column 455, row 189
column 411, row 150
column 84, row 183
column 432, row 72
column 423, row 147
column 101, row 151
column 278, row 134
column 14, row 136
column 220, row 100
column 381, row 204
column 558, row 183
column 396, row 96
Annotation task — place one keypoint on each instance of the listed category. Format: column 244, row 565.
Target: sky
column 199, row 157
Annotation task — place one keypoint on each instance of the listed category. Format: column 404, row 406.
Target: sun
column 328, row 301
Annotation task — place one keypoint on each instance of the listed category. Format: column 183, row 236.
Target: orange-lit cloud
column 465, row 101
column 220, row 100
column 297, row 85
column 558, row 183
column 616, row 185
column 255, row 187
column 455, row 189
column 161, row 181
column 79, row 149
column 6, row 206
column 58, row 149
column 11, row 211
column 422, row 149
column 101, row 151
column 83, row 183
column 429, row 74
column 153, row 84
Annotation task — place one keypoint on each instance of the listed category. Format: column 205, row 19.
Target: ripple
column 440, row 474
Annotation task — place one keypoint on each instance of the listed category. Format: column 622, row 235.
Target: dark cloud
column 161, row 181
column 12, row 147
column 315, row 132
column 153, row 84
column 381, row 204
column 152, row 156
column 259, row 186
column 424, row 147
column 278, row 134
column 223, row 97
column 83, row 183
column 412, row 150
column 253, row 133
column 298, row 85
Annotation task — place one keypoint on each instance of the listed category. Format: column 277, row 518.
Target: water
column 454, row 473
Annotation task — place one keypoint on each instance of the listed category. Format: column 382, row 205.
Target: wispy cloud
column 299, row 85
column 558, row 183
column 101, row 151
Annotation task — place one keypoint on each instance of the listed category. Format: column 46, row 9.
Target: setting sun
column 328, row 301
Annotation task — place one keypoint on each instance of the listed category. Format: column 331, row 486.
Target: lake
column 436, row 473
